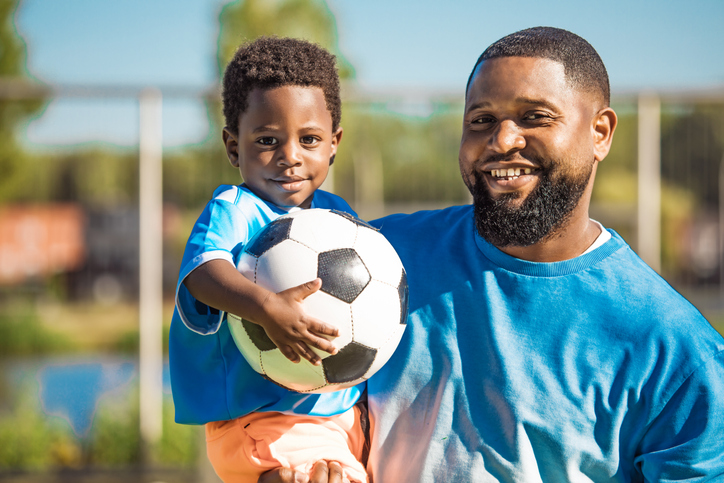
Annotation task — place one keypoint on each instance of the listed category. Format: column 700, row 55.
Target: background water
column 72, row 388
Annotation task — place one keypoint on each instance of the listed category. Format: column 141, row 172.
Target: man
column 539, row 347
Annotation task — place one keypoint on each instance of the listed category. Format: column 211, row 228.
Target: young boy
column 282, row 110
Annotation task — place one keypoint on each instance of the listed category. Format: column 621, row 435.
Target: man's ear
column 604, row 125
column 336, row 138
column 232, row 146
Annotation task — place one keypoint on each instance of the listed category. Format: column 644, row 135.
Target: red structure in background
column 37, row 241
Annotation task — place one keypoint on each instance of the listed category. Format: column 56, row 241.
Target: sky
column 395, row 46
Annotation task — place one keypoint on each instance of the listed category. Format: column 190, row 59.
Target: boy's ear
column 232, row 146
column 336, row 138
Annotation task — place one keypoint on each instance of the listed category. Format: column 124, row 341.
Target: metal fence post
column 649, row 180
column 151, row 281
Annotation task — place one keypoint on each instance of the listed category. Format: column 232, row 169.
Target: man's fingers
column 324, row 472
column 283, row 475
column 335, row 472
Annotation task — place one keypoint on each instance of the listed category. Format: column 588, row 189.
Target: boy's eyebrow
column 272, row 127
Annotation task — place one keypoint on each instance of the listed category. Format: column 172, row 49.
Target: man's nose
column 508, row 137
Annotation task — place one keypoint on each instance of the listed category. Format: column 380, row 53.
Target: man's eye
column 267, row 141
column 483, row 120
column 536, row 116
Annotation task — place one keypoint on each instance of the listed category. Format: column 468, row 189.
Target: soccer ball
column 363, row 294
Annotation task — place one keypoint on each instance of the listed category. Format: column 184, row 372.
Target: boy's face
column 284, row 145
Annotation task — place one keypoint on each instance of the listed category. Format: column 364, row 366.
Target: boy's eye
column 308, row 140
column 267, row 141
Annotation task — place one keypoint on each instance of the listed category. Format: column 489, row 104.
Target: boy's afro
column 270, row 62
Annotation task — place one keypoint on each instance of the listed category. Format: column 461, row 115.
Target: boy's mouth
column 289, row 183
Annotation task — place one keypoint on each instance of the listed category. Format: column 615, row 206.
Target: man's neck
column 565, row 243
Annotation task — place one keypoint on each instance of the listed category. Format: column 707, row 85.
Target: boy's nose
column 290, row 154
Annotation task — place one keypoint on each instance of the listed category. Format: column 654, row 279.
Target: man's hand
column 322, row 472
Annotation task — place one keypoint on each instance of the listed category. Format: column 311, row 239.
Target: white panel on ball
column 286, row 265
column 324, row 232
column 388, row 348
column 298, row 377
column 379, row 256
column 332, row 311
column 247, row 265
column 242, row 340
column 375, row 314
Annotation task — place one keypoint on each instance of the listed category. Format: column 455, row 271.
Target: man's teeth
column 510, row 172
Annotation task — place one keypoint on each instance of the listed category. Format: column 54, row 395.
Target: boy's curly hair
column 270, row 62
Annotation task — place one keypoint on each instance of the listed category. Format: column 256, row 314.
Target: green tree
column 311, row 20
column 13, row 162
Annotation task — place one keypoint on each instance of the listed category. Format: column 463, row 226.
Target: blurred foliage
column 32, row 440
column 692, row 148
column 28, row 438
column 414, row 157
column 21, row 333
column 15, row 175
column 129, row 342
column 244, row 20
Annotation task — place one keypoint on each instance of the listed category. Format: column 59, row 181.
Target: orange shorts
column 242, row 449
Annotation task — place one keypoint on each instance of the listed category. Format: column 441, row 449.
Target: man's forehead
column 526, row 80
column 526, row 73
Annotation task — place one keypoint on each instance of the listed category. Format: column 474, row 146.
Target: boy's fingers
column 307, row 353
column 323, row 329
column 310, row 287
column 289, row 353
column 323, row 345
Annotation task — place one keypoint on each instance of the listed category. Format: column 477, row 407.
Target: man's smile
column 510, row 178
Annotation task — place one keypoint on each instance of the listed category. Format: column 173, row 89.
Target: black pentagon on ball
column 354, row 219
column 343, row 273
column 404, row 293
column 350, row 363
column 271, row 235
column 258, row 336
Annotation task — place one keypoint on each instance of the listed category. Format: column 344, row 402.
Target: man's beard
column 545, row 209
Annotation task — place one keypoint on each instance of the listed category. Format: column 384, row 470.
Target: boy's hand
column 291, row 329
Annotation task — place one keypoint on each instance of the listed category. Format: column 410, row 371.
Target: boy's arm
column 218, row 284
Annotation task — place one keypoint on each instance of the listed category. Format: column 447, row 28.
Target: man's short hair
column 270, row 62
column 583, row 66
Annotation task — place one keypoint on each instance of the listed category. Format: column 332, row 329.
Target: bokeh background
column 73, row 78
